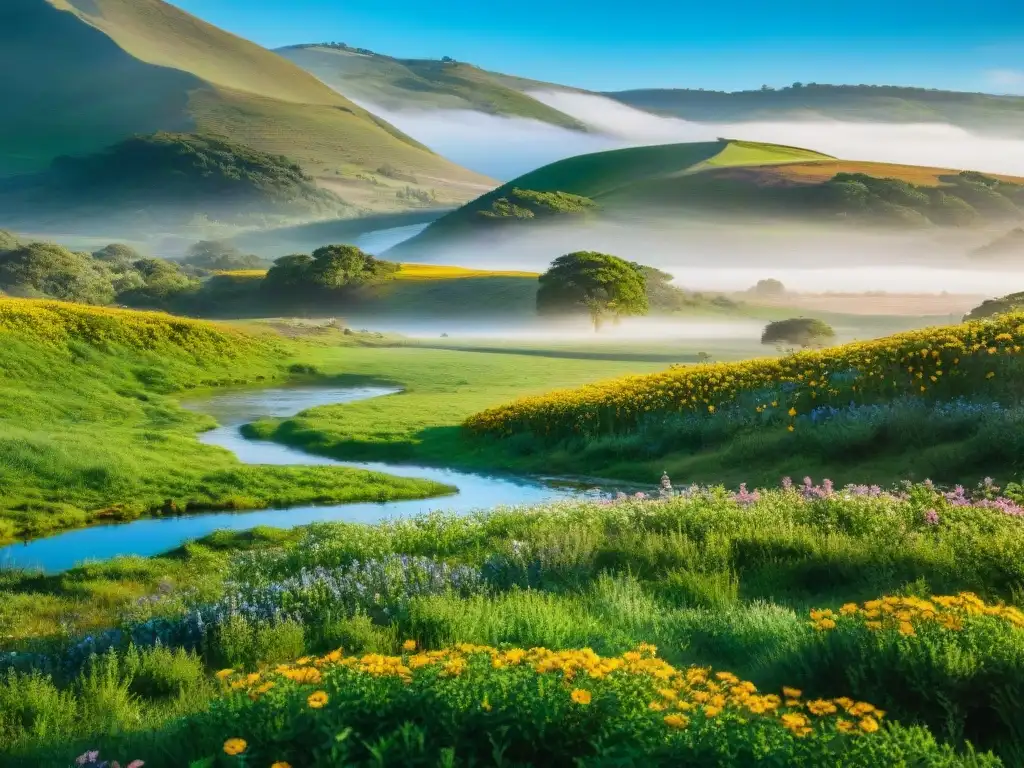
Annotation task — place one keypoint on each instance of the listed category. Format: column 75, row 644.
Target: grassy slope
column 445, row 379
column 590, row 175
column 977, row 111
column 422, row 84
column 138, row 66
column 90, row 431
column 669, row 176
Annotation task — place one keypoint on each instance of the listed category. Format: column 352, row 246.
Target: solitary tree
column 769, row 288
column 600, row 284
column 798, row 331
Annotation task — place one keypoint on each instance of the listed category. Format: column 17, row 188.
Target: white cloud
column 1006, row 80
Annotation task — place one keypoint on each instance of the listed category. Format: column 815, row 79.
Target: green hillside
column 423, row 83
column 859, row 103
column 165, row 180
column 745, row 180
column 81, row 75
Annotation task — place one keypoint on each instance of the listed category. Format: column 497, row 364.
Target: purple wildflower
column 787, row 483
column 745, row 497
column 931, row 517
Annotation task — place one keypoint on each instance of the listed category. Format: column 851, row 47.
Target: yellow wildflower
column 235, row 746
column 409, row 646
column 868, row 725
column 317, row 699
column 580, row 696
column 676, row 721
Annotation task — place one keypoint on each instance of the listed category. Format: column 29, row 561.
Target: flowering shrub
column 940, row 363
column 952, row 662
column 472, row 704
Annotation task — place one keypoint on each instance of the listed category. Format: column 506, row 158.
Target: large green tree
column 330, row 268
column 598, row 283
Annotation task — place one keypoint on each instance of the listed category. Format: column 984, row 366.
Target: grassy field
column 807, row 623
column 423, row 84
column 841, row 610
column 142, row 66
column 92, row 432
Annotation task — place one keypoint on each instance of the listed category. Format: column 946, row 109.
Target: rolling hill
column 165, row 181
column 738, row 179
column 424, row 83
column 979, row 112
column 82, row 75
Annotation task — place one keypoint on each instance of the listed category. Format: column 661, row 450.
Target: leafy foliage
column 113, row 273
column 595, row 282
column 171, row 178
column 330, row 268
column 216, row 255
column 523, row 204
column 798, row 331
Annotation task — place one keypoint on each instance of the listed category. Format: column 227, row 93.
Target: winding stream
column 151, row 536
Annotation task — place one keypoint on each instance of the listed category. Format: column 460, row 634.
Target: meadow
column 804, row 624
column 94, row 432
column 732, row 622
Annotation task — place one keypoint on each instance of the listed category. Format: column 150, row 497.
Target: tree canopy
column 769, row 288
column 329, row 268
column 798, row 331
column 220, row 256
column 600, row 284
column 115, row 273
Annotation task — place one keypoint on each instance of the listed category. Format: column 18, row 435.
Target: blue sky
column 976, row 46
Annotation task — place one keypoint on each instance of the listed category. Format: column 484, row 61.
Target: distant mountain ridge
column 395, row 83
column 980, row 112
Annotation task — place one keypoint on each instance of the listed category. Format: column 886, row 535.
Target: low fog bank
column 551, row 330
column 505, row 147
column 731, row 257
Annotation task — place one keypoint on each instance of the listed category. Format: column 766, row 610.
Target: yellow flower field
column 934, row 362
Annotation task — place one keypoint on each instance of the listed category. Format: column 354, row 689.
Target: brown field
column 821, row 171
column 893, row 304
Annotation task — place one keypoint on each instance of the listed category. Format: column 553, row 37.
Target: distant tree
column 221, row 256
column 769, row 288
column 117, row 254
column 448, row 60
column 798, row 331
column 162, row 281
column 598, row 283
column 798, row 85
column 50, row 270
